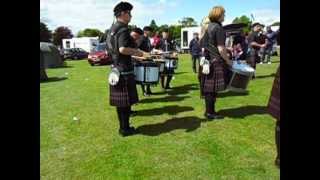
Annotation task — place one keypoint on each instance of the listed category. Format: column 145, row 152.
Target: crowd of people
column 209, row 46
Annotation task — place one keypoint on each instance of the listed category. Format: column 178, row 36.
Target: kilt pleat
column 215, row 80
column 124, row 94
column 274, row 100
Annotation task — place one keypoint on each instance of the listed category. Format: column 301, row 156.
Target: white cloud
column 80, row 14
column 266, row 16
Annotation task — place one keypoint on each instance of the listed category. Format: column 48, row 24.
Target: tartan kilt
column 274, row 100
column 215, row 80
column 124, row 94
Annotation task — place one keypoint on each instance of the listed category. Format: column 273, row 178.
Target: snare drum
column 241, row 75
column 146, row 72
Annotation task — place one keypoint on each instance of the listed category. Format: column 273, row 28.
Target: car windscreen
column 100, row 47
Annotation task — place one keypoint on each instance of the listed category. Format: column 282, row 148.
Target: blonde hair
column 216, row 13
column 204, row 26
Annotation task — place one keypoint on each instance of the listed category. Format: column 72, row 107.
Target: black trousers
column 277, row 137
column 123, row 116
column 210, row 100
column 194, row 60
column 166, row 84
column 146, row 88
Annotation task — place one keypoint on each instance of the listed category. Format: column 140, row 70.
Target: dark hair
column 147, row 28
column 137, row 30
column 120, row 7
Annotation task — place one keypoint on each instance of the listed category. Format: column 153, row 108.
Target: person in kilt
column 121, row 47
column 213, row 44
column 274, row 110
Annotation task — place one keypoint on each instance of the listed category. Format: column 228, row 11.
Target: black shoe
column 213, row 116
column 133, row 113
column 128, row 132
column 168, row 87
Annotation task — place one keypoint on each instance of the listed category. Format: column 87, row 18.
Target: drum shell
column 146, row 72
column 240, row 79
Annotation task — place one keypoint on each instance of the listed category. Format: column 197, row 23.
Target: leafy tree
column 276, row 24
column 90, row 33
column 187, row 22
column 243, row 19
column 153, row 25
column 45, row 33
column 61, row 33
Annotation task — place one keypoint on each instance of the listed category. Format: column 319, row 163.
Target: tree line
column 63, row 32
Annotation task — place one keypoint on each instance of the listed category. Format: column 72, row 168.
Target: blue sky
column 80, row 14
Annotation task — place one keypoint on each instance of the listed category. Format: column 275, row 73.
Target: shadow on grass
column 183, row 89
column 189, row 123
column 266, row 76
column 171, row 110
column 177, row 73
column 61, row 67
column 164, row 99
column 242, row 112
column 53, row 79
column 230, row 93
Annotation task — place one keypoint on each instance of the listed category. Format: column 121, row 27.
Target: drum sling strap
column 112, row 44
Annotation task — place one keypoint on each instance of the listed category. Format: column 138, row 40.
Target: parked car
column 75, row 53
column 99, row 56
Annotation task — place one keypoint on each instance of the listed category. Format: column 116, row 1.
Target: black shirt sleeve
column 125, row 39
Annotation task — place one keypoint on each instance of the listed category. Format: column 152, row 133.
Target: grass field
column 176, row 142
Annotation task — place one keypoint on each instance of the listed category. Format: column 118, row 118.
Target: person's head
column 147, row 30
column 217, row 14
column 136, row 34
column 165, row 34
column 196, row 35
column 269, row 29
column 122, row 11
column 257, row 27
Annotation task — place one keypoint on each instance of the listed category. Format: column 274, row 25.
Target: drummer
column 166, row 45
column 214, row 81
column 121, row 46
column 145, row 45
column 254, row 45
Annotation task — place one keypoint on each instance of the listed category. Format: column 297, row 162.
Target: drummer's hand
column 146, row 55
column 174, row 54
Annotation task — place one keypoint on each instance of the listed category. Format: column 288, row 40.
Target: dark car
column 75, row 53
column 99, row 56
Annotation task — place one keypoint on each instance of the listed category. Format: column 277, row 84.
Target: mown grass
column 175, row 142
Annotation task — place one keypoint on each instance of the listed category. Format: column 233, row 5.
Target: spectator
column 156, row 41
column 271, row 40
column 195, row 51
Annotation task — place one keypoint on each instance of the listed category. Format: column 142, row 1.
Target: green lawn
column 176, row 142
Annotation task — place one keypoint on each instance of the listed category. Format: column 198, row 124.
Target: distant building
column 86, row 43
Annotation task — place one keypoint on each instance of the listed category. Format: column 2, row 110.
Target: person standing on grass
column 195, row 51
column 145, row 45
column 271, row 39
column 254, row 45
column 215, row 52
column 123, row 91
column 166, row 44
column 274, row 110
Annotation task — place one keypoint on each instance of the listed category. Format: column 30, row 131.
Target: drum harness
column 111, row 39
